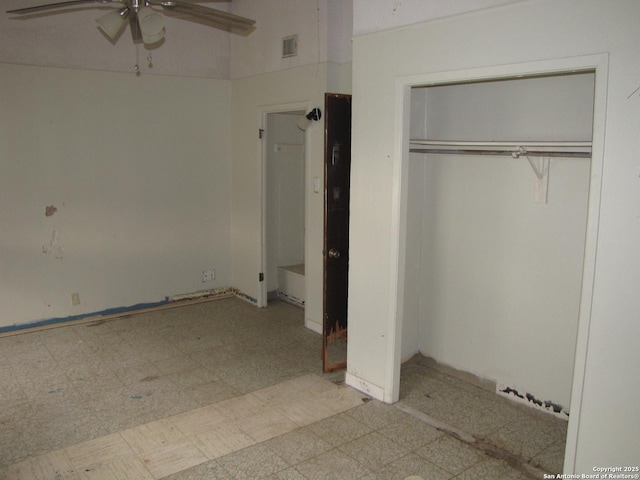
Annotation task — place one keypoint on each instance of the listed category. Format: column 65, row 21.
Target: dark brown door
column 337, row 163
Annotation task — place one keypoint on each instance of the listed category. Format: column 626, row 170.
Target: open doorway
column 467, row 289
column 284, row 211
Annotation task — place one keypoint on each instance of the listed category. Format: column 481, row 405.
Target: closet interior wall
column 493, row 277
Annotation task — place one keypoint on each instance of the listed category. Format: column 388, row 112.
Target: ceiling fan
column 147, row 25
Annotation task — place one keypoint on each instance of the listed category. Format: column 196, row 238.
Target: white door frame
column 264, row 113
column 598, row 63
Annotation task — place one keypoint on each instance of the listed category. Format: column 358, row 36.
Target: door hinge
column 260, row 133
column 261, row 277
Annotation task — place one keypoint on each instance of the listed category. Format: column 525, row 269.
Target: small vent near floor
column 290, row 46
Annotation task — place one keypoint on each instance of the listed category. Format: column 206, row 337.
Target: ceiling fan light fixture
column 113, row 22
column 151, row 25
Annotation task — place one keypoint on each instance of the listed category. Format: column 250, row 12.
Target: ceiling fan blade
column 218, row 17
column 51, row 6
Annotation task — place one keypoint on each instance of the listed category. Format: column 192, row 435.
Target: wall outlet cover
column 208, row 275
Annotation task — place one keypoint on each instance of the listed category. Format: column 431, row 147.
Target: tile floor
column 223, row 390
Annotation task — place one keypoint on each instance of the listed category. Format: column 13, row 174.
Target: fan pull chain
column 149, row 61
column 136, row 67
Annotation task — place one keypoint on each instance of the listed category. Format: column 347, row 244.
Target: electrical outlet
column 75, row 299
column 208, row 275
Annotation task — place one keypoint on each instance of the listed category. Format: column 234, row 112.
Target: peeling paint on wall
column 533, row 401
column 54, row 249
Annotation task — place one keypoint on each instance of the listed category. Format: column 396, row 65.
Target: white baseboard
column 313, row 326
column 364, row 386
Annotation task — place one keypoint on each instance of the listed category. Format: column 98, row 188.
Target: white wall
column 604, row 428
column 374, row 15
column 552, row 108
column 501, row 275
column 138, row 170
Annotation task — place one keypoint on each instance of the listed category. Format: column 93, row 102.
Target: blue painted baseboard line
column 109, row 311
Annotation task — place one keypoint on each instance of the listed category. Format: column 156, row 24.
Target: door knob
column 333, row 253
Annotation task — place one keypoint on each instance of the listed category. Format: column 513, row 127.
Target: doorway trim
column 599, row 64
column 264, row 112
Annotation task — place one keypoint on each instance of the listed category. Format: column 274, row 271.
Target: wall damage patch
column 50, row 210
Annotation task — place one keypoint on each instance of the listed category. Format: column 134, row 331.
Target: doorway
column 284, row 158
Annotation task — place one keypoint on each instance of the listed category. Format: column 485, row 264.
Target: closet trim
column 597, row 63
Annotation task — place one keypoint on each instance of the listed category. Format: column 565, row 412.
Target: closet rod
column 509, row 153
column 514, row 149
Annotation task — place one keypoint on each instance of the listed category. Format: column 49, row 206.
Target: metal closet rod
column 512, row 149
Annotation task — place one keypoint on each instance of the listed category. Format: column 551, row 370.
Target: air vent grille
column 290, row 46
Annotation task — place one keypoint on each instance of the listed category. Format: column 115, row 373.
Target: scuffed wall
column 114, row 187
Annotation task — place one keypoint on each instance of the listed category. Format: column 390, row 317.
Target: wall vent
column 290, row 46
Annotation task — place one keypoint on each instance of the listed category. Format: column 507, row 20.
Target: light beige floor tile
column 267, row 425
column 240, row 408
column 152, row 436
column 130, row 468
column 286, row 391
column 280, row 393
column 172, row 458
column 101, row 450
column 306, row 409
column 43, row 467
column 221, row 440
column 341, row 398
column 200, row 420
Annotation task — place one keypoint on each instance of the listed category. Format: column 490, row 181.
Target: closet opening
column 497, row 191
column 284, row 208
